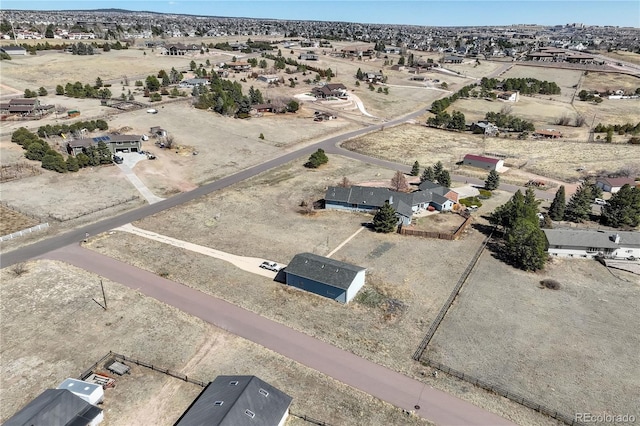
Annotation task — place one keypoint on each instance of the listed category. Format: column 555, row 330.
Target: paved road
column 28, row 252
column 381, row 382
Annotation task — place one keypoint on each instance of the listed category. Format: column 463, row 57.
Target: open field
column 13, row 221
column 59, row 300
column 278, row 230
column 603, row 81
column 469, row 68
column 624, row 56
column 566, row 79
column 557, row 159
column 545, row 344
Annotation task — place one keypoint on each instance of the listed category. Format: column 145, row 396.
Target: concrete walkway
column 130, row 160
column 342, row 244
column 360, row 105
column 249, row 264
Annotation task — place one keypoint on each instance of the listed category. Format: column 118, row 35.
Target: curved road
column 381, row 382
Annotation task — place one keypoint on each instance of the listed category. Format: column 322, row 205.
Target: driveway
column 130, row 160
column 378, row 381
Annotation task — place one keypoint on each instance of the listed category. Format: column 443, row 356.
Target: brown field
column 469, row 68
column 548, row 345
column 603, row 81
column 13, row 221
column 566, row 79
column 624, row 56
column 37, row 352
column 556, row 159
column 610, row 111
column 260, row 217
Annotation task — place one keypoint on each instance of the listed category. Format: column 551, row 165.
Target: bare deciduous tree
column 580, row 120
column 564, row 120
column 345, row 182
column 399, row 182
column 19, row 269
column 506, row 109
column 169, row 141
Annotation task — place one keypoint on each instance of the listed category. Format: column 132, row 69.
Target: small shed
column 324, row 276
column 119, row 368
column 482, row 162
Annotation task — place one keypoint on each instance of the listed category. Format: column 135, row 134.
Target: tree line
column 526, row 86
column 60, row 129
column 39, row 150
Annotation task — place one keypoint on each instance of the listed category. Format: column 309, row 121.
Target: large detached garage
column 325, row 277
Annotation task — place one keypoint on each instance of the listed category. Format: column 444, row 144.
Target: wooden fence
column 438, row 235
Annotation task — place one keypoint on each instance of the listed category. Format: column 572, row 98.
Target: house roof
column 617, row 182
column 107, row 139
column 323, row 269
column 23, row 101
column 232, row 400
column 591, row 238
column 481, row 158
column 8, row 49
column 55, row 407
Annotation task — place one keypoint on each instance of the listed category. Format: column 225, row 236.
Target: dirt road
column 385, row 384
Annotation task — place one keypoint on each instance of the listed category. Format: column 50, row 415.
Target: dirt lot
column 558, row 159
column 59, row 304
column 237, row 221
column 549, row 345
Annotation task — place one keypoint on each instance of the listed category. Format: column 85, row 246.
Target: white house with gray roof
column 588, row 243
column 237, row 401
column 369, row 199
column 324, row 276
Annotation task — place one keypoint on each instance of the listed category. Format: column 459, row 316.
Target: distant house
column 509, row 96
column 330, row 90
column 263, row 108
column 587, row 243
column 13, row 50
column 613, row 185
column 484, row 127
column 239, row 66
column 194, row 82
column 326, row 277
column 482, row 162
column 369, row 199
column 59, row 407
column 450, row 59
column 373, row 77
column 547, row 134
column 309, row 56
column 115, row 143
column 30, row 107
column 269, row 78
column 237, row 401
column 179, row 49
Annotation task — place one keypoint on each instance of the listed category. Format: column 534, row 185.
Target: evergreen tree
column 444, row 179
column 72, row 164
column 622, row 209
column 415, row 170
column 579, row 206
column 428, row 175
column 526, row 245
column 53, row 160
column 558, row 205
column 493, row 181
column 359, row 74
column 317, row 159
column 437, row 170
column 103, row 154
column 385, row 219
column 59, row 90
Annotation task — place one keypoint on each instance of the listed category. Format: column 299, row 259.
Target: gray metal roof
column 55, row 407
column 591, row 238
column 231, row 400
column 323, row 269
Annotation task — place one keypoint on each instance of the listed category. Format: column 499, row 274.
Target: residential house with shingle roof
column 588, row 243
column 614, row 185
column 237, row 401
column 57, row 407
column 369, row 199
column 324, row 276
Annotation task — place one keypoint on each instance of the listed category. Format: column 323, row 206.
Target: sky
column 410, row 12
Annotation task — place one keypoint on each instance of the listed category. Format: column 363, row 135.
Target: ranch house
column 587, row 243
column 115, row 143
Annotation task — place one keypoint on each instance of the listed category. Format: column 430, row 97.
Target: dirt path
column 378, row 381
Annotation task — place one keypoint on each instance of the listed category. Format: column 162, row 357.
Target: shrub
column 484, row 194
column 550, row 284
column 470, row 201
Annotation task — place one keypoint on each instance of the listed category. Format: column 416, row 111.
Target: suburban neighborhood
column 273, row 221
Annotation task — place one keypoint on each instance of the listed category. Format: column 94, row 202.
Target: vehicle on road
column 270, row 266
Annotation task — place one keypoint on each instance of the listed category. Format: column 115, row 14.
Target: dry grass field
column 557, row 159
column 13, row 221
column 469, row 68
column 52, row 301
column 261, row 217
column 566, row 79
column 603, row 81
column 549, row 345
column 624, row 56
